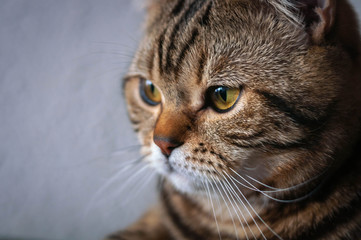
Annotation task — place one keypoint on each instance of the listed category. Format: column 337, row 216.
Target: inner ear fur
column 326, row 11
column 319, row 17
column 332, row 21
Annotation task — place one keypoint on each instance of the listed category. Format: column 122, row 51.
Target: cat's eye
column 149, row 92
column 224, row 98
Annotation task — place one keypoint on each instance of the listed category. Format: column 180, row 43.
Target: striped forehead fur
column 288, row 8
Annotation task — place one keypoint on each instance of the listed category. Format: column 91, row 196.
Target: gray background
column 63, row 120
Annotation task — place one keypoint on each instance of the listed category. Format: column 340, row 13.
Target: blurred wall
column 63, row 126
column 62, row 117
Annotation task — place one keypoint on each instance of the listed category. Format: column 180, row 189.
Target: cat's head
column 257, row 89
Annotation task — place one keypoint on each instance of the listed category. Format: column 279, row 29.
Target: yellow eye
column 224, row 98
column 149, row 92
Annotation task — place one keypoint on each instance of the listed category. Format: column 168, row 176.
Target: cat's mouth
column 192, row 174
column 170, row 168
column 188, row 177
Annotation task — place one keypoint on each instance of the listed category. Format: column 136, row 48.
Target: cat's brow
column 232, row 80
column 171, row 56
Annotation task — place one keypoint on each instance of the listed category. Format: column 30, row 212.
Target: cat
column 251, row 112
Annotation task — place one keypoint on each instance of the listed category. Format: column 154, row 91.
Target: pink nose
column 166, row 145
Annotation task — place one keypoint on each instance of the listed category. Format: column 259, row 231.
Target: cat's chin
column 182, row 183
column 185, row 184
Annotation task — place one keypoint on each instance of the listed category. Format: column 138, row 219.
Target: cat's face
column 219, row 90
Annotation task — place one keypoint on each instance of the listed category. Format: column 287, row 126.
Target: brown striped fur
column 296, row 126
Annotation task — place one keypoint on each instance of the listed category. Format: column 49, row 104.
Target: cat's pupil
column 222, row 92
column 152, row 88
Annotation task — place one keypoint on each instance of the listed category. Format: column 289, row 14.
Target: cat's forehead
column 205, row 43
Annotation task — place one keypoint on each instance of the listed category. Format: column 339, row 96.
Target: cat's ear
column 319, row 17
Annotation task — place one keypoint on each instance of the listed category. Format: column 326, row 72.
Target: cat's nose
column 166, row 145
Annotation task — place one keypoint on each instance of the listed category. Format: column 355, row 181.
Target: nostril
column 166, row 145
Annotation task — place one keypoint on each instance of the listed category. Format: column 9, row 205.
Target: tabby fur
column 285, row 162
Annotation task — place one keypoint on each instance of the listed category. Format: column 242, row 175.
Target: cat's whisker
column 112, row 155
column 103, row 159
column 126, row 183
column 99, row 193
column 126, row 164
column 135, row 175
column 139, row 185
column 263, row 193
column 263, row 184
column 229, row 211
column 228, row 193
column 116, row 177
column 131, row 193
column 144, row 184
column 279, row 190
column 254, row 188
column 237, row 200
column 211, row 203
column 288, row 188
column 250, row 187
column 130, row 148
column 220, row 209
column 251, row 207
